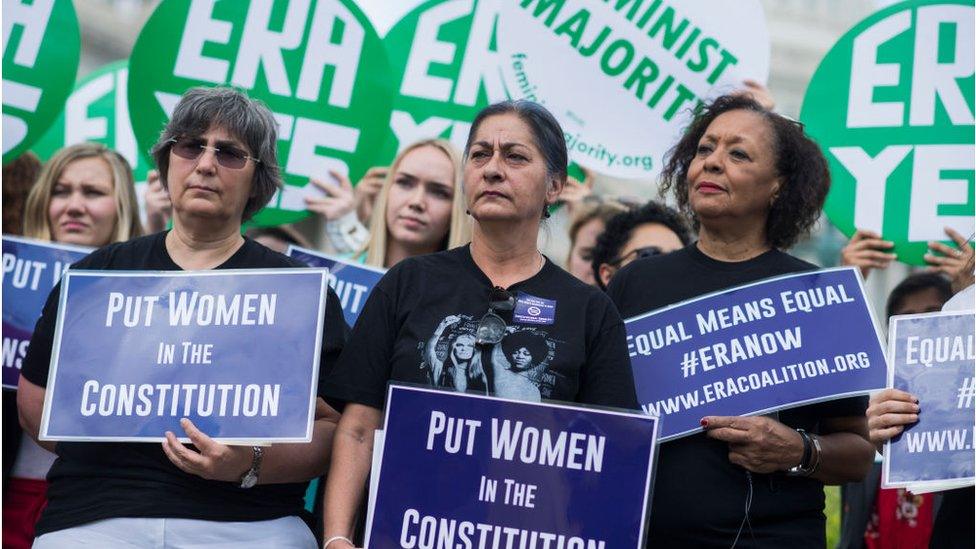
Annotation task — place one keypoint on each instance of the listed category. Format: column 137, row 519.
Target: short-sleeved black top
column 419, row 323
column 699, row 495
column 94, row 481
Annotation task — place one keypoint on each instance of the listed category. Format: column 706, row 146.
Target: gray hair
column 248, row 120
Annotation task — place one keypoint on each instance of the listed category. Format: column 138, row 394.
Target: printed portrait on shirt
column 518, row 367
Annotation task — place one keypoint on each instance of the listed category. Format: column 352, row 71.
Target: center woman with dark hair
column 539, row 333
column 752, row 183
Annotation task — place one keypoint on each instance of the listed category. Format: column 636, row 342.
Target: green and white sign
column 642, row 66
column 446, row 66
column 98, row 111
column 41, row 48
column 318, row 65
column 892, row 106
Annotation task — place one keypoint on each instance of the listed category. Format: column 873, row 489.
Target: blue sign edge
column 45, row 244
column 49, row 244
column 886, row 455
column 652, row 457
column 293, row 248
column 56, row 351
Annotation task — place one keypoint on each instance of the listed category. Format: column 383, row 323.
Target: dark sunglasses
column 491, row 327
column 641, row 253
column 227, row 156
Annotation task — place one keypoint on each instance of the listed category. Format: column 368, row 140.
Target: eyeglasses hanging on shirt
column 491, row 327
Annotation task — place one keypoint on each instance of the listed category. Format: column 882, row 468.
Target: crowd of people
column 458, row 233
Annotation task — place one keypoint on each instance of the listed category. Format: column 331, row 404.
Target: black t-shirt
column 93, row 481
column 419, row 322
column 699, row 495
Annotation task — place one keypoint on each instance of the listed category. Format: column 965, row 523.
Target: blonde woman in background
column 419, row 209
column 85, row 196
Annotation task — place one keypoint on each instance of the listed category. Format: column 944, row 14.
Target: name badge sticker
column 534, row 310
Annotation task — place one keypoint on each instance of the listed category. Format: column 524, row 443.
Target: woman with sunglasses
column 753, row 183
column 217, row 157
column 565, row 339
column 644, row 231
column 419, row 207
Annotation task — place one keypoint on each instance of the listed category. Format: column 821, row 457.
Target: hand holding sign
column 575, row 192
column 159, row 207
column 888, row 414
column 866, row 251
column 952, row 260
column 333, row 201
column 212, row 461
column 368, row 189
column 759, row 444
column 758, row 92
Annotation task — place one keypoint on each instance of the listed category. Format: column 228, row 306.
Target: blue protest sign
column 31, row 268
column 933, row 356
column 351, row 281
column 235, row 351
column 474, row 471
column 755, row 349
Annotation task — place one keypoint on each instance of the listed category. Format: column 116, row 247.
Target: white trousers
column 171, row 533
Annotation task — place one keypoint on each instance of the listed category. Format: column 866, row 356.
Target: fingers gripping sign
column 209, row 459
column 889, row 411
column 334, row 201
column 867, row 251
column 758, row 444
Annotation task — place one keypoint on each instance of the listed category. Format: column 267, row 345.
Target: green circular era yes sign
column 892, row 107
column 318, row 65
column 444, row 63
column 41, row 48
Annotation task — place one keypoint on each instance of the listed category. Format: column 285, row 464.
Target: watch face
column 249, row 480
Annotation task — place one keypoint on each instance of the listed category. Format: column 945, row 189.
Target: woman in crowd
column 752, row 183
column 421, row 203
column 589, row 222
column 18, row 179
column 85, row 196
column 645, row 231
column 217, row 159
column 514, row 167
column 882, row 517
column 892, row 411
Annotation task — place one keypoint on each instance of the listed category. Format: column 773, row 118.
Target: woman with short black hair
column 569, row 340
column 753, row 183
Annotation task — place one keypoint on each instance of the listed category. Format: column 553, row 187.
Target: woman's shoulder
column 257, row 255
column 132, row 253
column 790, row 263
column 447, row 261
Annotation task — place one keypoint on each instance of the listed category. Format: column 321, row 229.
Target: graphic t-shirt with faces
column 563, row 341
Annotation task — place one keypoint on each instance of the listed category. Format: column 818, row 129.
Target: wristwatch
column 810, row 461
column 250, row 478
